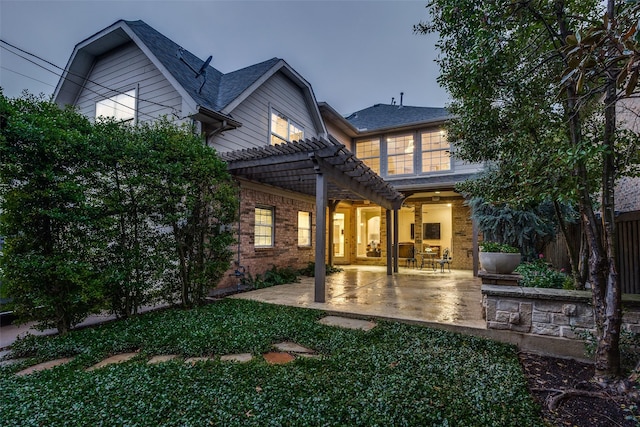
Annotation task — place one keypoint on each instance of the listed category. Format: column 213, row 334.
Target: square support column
column 389, row 245
column 321, row 237
column 396, row 243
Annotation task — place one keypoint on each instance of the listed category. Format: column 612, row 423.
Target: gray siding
column 129, row 68
column 278, row 92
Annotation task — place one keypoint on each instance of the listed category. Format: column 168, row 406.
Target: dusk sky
column 353, row 53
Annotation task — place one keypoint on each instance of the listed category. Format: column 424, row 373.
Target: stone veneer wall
column 550, row 312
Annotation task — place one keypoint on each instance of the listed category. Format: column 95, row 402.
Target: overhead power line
column 63, row 70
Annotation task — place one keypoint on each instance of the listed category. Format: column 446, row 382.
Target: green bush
column 272, row 277
column 498, row 247
column 310, row 269
column 538, row 274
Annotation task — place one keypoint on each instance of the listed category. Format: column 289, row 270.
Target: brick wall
column 285, row 252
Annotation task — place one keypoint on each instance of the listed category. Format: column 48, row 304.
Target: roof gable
column 218, row 93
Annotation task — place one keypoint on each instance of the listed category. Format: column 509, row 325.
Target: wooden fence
column 628, row 251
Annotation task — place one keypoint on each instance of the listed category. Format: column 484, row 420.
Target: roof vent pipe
column 401, row 95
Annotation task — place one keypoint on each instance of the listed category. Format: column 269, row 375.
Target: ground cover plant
column 394, row 374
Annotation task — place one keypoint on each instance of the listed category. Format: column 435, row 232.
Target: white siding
column 280, row 93
column 129, row 68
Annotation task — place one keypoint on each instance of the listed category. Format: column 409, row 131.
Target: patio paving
column 452, row 298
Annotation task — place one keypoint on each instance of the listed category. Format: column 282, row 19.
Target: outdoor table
column 429, row 258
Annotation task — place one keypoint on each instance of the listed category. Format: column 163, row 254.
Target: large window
column 368, row 151
column 304, row 228
column 284, row 129
column 436, row 155
column 120, row 107
column 264, row 227
column 400, row 155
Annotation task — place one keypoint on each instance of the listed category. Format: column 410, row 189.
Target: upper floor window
column 264, row 227
column 120, row 107
column 368, row 151
column 284, row 129
column 304, row 228
column 436, row 154
column 400, row 155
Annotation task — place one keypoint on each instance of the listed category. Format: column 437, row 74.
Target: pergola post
column 389, row 244
column 476, row 263
column 321, row 233
column 396, row 237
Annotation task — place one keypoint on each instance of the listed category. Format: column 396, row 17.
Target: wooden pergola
column 326, row 169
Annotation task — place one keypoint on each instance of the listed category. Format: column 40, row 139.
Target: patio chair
column 446, row 259
column 412, row 257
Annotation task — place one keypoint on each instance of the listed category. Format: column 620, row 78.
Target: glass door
column 340, row 241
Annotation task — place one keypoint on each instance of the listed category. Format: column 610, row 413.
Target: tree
column 196, row 200
column 47, row 212
column 504, row 64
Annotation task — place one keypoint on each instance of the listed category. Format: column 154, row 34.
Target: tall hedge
column 107, row 215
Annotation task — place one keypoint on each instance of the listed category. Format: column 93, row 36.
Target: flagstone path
column 287, row 351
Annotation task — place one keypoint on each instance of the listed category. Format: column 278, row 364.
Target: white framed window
column 368, row 150
column 436, row 151
column 400, row 155
column 284, row 129
column 264, row 227
column 120, row 107
column 304, row 228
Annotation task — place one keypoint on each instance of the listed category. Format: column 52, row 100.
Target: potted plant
column 499, row 258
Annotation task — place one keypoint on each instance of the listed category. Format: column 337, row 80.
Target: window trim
column 272, row 210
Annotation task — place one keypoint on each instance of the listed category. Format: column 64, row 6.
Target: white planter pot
column 499, row 262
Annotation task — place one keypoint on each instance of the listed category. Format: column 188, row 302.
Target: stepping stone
column 161, row 358
column 240, row 357
column 292, row 347
column 345, row 322
column 43, row 366
column 194, row 360
column 118, row 358
column 278, row 358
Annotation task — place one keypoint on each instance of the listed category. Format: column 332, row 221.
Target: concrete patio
column 422, row 295
column 450, row 300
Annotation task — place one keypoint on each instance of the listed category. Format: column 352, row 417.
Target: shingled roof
column 219, row 89
column 382, row 116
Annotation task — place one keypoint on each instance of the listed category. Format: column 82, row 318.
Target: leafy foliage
column 395, row 374
column 272, row 277
column 107, row 215
column 487, row 246
column 539, row 274
column 310, row 269
column 47, row 213
column 529, row 229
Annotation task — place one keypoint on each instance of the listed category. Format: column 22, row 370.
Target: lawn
column 395, row 374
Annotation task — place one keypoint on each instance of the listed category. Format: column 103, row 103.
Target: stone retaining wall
column 549, row 312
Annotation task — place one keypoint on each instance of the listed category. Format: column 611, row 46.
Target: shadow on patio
column 445, row 298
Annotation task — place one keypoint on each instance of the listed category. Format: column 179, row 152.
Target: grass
column 395, row 374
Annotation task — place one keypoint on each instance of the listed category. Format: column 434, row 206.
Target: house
column 292, row 157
